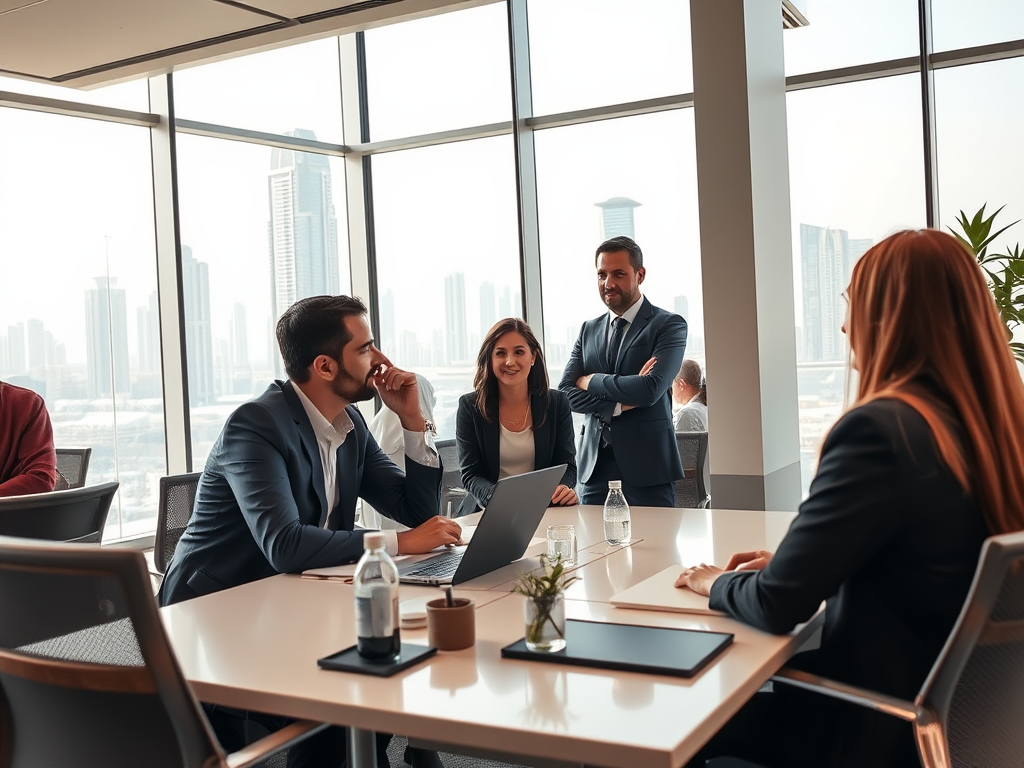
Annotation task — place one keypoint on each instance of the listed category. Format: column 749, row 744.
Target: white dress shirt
column 629, row 316
column 329, row 438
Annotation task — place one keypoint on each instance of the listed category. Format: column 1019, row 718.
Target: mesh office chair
column 451, row 478
column 87, row 676
column 72, row 467
column 76, row 515
column 970, row 708
column 177, row 498
column 692, row 490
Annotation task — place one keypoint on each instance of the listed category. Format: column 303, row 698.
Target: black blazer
column 643, row 438
column 478, row 442
column 891, row 541
column 261, row 505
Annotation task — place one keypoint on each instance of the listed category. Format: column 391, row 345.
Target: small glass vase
column 545, row 623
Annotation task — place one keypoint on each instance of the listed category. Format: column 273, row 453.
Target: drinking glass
column 562, row 542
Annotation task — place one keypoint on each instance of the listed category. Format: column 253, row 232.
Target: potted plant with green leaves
column 1004, row 271
column 544, row 607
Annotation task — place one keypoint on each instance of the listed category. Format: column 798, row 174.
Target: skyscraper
column 827, row 257
column 148, row 318
column 195, row 280
column 303, row 231
column 617, row 217
column 488, row 309
column 239, row 338
column 37, row 357
column 681, row 306
column 106, row 339
column 455, row 318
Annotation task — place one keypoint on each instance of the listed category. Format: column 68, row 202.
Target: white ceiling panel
column 56, row 37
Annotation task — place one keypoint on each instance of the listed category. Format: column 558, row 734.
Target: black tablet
column 655, row 650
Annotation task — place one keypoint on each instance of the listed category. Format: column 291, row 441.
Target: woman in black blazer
column 927, row 463
column 512, row 422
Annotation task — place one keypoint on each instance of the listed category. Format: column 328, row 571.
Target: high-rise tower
column 455, row 318
column 303, row 231
column 106, row 338
column 195, row 280
column 617, row 217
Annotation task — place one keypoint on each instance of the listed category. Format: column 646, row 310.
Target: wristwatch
column 429, row 426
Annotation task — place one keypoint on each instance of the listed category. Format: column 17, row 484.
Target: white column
column 746, row 253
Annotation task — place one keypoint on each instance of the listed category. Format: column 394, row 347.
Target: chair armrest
column 879, row 702
column 273, row 743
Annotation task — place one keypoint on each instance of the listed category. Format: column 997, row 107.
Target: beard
column 351, row 390
column 620, row 299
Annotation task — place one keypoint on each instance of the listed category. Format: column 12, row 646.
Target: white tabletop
column 256, row 647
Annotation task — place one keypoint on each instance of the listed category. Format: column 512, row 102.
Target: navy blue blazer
column 261, row 504
column 643, row 438
column 890, row 540
column 478, row 443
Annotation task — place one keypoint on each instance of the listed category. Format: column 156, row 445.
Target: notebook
column 659, row 593
column 502, row 535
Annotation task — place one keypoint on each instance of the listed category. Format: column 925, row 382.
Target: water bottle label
column 376, row 613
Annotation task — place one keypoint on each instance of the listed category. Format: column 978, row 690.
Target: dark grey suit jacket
column 889, row 538
column 643, row 438
column 261, row 505
column 479, row 441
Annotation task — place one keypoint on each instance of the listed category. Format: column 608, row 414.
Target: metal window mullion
column 526, row 166
column 358, row 182
column 931, row 163
column 170, row 296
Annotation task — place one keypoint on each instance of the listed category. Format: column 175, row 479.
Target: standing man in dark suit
column 619, row 376
column 279, row 490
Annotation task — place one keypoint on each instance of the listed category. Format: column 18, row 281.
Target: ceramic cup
column 451, row 629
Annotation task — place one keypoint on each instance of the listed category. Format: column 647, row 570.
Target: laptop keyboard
column 440, row 567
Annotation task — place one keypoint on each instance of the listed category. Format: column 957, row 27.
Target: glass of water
column 562, row 543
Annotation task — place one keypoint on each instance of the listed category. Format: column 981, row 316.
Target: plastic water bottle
column 616, row 515
column 376, row 587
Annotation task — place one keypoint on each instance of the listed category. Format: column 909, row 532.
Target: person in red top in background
column 28, row 463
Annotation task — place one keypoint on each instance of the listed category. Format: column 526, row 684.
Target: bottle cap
column 614, row 485
column 374, row 540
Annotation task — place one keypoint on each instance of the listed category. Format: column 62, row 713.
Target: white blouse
column 516, row 453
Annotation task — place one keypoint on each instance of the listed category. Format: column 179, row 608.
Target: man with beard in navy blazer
column 279, row 489
column 619, row 377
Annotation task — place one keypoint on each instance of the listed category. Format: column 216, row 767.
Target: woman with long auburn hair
column 926, row 464
column 512, row 422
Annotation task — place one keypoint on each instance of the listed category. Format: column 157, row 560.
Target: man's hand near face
column 436, row 532
column 399, row 392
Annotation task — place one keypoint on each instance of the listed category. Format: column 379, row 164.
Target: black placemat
column 349, row 660
column 655, row 650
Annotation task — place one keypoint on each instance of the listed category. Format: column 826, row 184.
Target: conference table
column 255, row 647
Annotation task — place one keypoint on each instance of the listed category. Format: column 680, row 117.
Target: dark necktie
column 615, row 341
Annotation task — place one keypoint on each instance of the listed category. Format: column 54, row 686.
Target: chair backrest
column 87, row 677
column 692, row 490
column 76, row 515
column 451, row 479
column 73, row 466
column 177, row 499
column 972, row 704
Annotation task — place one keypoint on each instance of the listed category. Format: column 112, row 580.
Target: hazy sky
column 76, row 192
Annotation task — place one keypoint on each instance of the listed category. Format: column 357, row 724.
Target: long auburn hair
column 486, row 384
column 925, row 331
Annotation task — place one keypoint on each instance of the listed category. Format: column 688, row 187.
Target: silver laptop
column 502, row 535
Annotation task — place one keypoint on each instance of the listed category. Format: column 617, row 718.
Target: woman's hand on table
column 564, row 496
column 699, row 578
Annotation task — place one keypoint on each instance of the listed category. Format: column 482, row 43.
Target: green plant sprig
column 1004, row 271
column 551, row 581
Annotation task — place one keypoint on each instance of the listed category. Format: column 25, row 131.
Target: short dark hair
column 486, row 385
column 312, row 327
column 621, row 243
